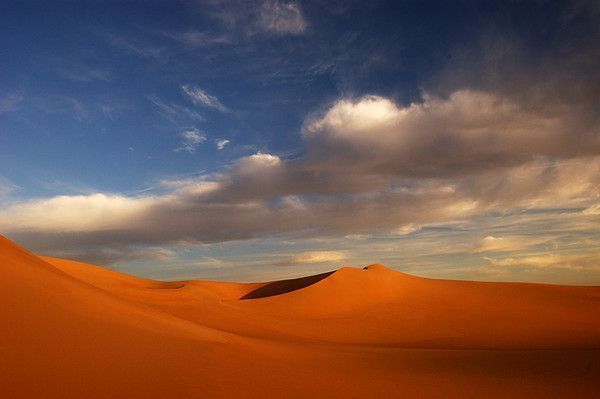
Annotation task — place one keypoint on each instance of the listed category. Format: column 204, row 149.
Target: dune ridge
column 73, row 330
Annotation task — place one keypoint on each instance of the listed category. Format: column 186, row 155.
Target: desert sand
column 73, row 330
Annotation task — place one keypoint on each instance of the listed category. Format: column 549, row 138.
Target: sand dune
column 72, row 330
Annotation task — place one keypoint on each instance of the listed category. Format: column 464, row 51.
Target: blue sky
column 257, row 140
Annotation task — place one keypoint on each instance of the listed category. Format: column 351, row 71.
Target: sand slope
column 72, row 330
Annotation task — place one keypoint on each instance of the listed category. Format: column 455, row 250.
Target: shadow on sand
column 285, row 286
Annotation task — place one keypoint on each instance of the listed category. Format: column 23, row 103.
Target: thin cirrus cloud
column 191, row 140
column 247, row 19
column 111, row 254
column 201, row 97
column 313, row 257
column 140, row 48
column 137, row 47
column 589, row 261
column 7, row 187
column 197, row 39
column 282, row 18
column 174, row 113
column 11, row 102
column 505, row 244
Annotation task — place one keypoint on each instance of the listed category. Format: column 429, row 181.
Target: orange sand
column 72, row 330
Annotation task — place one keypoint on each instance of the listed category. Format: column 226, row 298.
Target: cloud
column 281, row 18
column 314, row 257
column 62, row 104
column 370, row 166
column 587, row 261
column 406, row 229
column 110, row 255
column 82, row 73
column 60, row 214
column 593, row 210
column 251, row 199
column 221, row 143
column 136, row 47
column 199, row 96
column 191, row 140
column 259, row 162
column 11, row 102
column 196, row 39
column 251, row 20
column 174, row 112
column 78, row 108
column 505, row 244
column 7, row 188
column 466, row 132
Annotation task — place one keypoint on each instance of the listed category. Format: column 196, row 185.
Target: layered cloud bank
column 370, row 165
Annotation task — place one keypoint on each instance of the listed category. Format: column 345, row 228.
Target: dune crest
column 72, row 330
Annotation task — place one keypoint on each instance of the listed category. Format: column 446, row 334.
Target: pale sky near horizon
column 255, row 140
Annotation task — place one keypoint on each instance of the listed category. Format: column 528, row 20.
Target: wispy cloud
column 505, row 244
column 313, row 257
column 248, row 19
column 136, row 47
column 85, row 74
column 197, row 39
column 11, row 102
column 107, row 256
column 7, row 187
column 201, row 97
column 585, row 261
column 221, row 143
column 77, row 107
column 593, row 210
column 174, row 112
column 281, row 17
column 191, row 140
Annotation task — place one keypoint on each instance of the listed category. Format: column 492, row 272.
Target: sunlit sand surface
column 72, row 330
